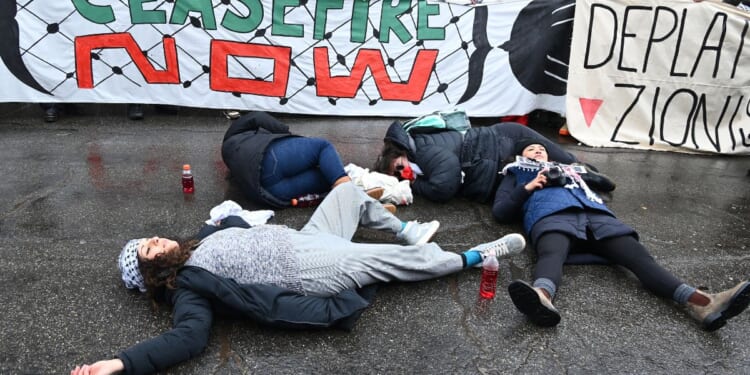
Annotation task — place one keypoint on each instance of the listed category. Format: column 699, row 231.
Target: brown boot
column 723, row 306
column 533, row 303
column 375, row 193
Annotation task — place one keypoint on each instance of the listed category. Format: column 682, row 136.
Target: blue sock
column 472, row 257
column 403, row 225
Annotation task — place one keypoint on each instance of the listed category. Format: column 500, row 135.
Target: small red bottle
column 187, row 179
column 487, row 286
column 308, row 200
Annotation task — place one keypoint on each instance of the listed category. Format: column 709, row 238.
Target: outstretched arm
column 107, row 367
column 188, row 337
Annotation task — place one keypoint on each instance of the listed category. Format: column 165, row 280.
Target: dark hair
column 389, row 152
column 161, row 271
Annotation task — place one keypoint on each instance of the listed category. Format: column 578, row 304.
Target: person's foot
column 416, row 233
column 375, row 193
column 508, row 245
column 723, row 306
column 51, row 113
column 533, row 303
column 135, row 111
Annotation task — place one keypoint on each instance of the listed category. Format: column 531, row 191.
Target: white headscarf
column 128, row 264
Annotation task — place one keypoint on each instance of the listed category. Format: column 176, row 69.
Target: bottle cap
column 185, row 167
column 294, row 201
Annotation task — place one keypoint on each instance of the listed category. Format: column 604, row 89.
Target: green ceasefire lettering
column 101, row 14
column 389, row 21
column 239, row 21
column 321, row 16
column 138, row 15
column 424, row 32
column 238, row 24
column 360, row 14
column 183, row 7
column 278, row 27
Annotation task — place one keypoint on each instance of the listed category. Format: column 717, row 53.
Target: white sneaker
column 416, row 233
column 508, row 245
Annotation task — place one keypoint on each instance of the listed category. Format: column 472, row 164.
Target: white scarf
column 570, row 171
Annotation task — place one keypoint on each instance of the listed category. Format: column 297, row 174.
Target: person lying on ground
column 273, row 166
column 563, row 218
column 314, row 277
column 443, row 164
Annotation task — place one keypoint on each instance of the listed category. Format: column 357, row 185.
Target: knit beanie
column 522, row 143
column 128, row 264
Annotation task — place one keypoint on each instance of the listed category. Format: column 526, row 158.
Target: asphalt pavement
column 74, row 191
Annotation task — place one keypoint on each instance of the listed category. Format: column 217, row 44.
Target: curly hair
column 161, row 271
column 389, row 152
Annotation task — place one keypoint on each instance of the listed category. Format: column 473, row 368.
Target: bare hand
column 538, row 182
column 111, row 366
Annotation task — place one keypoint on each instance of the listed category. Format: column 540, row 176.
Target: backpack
column 454, row 120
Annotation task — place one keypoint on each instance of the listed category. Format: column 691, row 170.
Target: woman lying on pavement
column 278, row 276
column 562, row 217
column 444, row 163
column 273, row 166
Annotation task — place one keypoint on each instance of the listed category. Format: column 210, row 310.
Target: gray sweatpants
column 330, row 262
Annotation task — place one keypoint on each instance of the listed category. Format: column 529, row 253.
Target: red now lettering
column 220, row 80
column 347, row 86
column 85, row 44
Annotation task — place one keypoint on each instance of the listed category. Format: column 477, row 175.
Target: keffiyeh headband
column 128, row 264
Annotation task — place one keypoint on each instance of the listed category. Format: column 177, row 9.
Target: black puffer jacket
column 201, row 294
column 244, row 145
column 480, row 154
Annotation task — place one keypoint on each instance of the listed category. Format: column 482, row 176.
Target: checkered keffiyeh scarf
column 128, row 264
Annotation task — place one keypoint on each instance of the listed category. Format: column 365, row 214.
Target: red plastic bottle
column 187, row 180
column 308, row 200
column 488, row 284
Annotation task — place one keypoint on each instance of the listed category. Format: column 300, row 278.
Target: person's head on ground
column 531, row 149
column 151, row 263
column 393, row 161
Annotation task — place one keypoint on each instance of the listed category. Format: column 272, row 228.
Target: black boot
column 51, row 111
column 135, row 111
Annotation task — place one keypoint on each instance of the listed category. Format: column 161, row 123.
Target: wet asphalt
column 74, row 191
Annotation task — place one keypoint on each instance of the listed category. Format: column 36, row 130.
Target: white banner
column 377, row 58
column 662, row 75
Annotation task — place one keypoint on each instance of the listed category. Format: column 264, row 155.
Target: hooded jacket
column 243, row 148
column 480, row 154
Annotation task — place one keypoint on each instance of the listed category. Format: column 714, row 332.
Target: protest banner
column 378, row 58
column 660, row 75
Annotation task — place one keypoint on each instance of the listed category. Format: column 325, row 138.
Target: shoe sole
column 375, row 193
column 737, row 304
column 428, row 235
column 527, row 301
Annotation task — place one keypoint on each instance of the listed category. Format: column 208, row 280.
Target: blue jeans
column 296, row 166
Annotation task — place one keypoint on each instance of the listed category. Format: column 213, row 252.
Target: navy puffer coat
column 480, row 154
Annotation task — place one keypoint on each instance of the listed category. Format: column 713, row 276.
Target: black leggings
column 553, row 247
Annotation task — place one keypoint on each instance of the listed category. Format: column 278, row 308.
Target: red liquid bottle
column 308, row 200
column 187, row 179
column 488, row 284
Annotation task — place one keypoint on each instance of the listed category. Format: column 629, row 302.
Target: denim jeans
column 296, row 166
